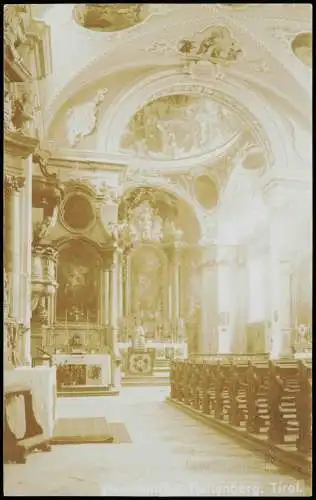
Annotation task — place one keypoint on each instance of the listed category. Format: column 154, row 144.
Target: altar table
column 83, row 369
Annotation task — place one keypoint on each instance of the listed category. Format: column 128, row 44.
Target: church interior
column 157, row 282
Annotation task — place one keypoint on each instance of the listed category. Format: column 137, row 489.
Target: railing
column 266, row 398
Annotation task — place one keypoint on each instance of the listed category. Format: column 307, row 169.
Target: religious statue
column 14, row 29
column 139, row 337
column 20, row 114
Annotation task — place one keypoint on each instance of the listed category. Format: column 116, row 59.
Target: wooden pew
column 256, row 384
column 304, row 407
column 238, row 393
column 272, row 398
column 283, row 390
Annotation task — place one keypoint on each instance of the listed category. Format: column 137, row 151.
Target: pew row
column 270, row 401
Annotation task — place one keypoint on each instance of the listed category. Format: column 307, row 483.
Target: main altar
column 105, row 294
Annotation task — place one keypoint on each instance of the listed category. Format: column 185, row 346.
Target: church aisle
column 170, row 454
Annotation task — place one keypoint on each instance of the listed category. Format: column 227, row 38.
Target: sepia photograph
column 157, row 250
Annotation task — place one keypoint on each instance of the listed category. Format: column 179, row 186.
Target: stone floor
column 170, row 455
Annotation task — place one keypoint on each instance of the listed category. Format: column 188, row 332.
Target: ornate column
column 120, row 285
column 26, row 249
column 170, row 289
column 106, row 297
column 101, row 297
column 13, row 185
column 114, row 316
column 127, row 289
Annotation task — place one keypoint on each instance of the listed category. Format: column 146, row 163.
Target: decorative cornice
column 20, row 145
column 87, row 160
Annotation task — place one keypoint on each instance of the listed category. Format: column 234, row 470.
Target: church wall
column 84, row 115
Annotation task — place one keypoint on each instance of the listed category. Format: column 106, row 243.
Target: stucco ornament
column 214, row 44
column 14, row 28
column 82, row 119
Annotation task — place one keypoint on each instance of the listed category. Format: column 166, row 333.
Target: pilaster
column 208, row 331
column 280, row 196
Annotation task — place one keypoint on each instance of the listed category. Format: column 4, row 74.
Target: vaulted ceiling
column 264, row 33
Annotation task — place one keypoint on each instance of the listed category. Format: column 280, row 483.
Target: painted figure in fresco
column 303, row 48
column 108, row 17
column 77, row 275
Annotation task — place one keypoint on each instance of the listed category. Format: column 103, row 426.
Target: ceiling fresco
column 179, row 126
column 302, row 47
column 110, row 17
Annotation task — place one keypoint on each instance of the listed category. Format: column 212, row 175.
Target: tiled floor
column 171, row 454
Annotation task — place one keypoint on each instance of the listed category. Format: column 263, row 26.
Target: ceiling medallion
column 215, row 44
column 109, row 17
column 179, row 126
column 302, row 47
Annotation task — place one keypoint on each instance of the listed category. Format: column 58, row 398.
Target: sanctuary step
column 160, row 377
column 86, row 390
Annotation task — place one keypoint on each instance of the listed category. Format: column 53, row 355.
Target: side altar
column 83, row 370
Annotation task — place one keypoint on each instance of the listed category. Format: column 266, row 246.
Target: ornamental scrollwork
column 82, row 119
column 14, row 331
column 41, row 158
column 14, row 28
column 13, row 183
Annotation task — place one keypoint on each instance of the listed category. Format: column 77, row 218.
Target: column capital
column 13, row 183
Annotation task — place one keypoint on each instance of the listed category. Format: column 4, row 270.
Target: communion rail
column 268, row 402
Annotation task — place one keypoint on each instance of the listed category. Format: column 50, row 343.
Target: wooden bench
column 304, row 407
column 17, row 447
column 272, row 399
